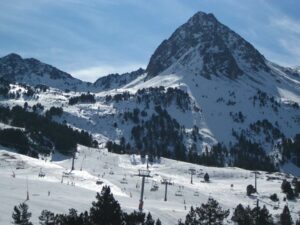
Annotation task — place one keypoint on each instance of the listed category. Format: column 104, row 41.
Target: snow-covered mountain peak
column 206, row 47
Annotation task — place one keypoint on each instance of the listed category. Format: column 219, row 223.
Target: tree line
column 40, row 133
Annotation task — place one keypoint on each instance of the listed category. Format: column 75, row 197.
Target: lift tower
column 143, row 173
column 192, row 172
column 166, row 182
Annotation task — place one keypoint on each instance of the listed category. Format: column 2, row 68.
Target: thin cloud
column 287, row 24
column 91, row 74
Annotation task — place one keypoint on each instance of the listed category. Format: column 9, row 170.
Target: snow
column 97, row 163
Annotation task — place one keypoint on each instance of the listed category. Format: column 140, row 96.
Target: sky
column 93, row 38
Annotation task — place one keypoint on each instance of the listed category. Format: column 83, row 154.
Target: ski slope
column 78, row 189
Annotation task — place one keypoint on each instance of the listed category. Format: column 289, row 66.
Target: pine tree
column 287, row 188
column 46, row 218
column 180, row 222
column 72, row 218
column 106, row 210
column 208, row 214
column 85, row 218
column 158, row 222
column 250, row 190
column 242, row 216
column 262, row 216
column 149, row 220
column 21, row 216
column 285, row 217
column 134, row 218
column 191, row 217
column 206, row 177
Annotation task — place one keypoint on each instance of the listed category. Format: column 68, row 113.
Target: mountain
column 206, row 47
column 117, row 80
column 207, row 96
column 33, row 72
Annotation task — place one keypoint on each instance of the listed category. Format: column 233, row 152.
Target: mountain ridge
column 33, row 72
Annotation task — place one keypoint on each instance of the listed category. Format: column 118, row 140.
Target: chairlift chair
column 124, row 180
column 154, row 186
column 42, row 174
column 178, row 192
column 20, row 165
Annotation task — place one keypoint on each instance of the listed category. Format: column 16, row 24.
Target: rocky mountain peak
column 206, row 47
column 15, row 68
column 12, row 57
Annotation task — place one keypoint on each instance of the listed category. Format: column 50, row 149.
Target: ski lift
column 124, row 180
column 67, row 174
column 41, row 173
column 20, row 165
column 154, row 186
column 178, row 192
column 105, row 166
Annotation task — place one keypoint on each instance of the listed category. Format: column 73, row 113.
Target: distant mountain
column 117, row 80
column 206, row 47
column 33, row 72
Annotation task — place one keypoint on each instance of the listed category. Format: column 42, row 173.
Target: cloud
column 93, row 73
column 287, row 24
column 292, row 45
column 286, row 32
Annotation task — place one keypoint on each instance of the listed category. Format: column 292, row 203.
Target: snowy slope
column 112, row 169
column 218, row 99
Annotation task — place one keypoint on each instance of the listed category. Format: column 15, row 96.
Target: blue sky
column 90, row 38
